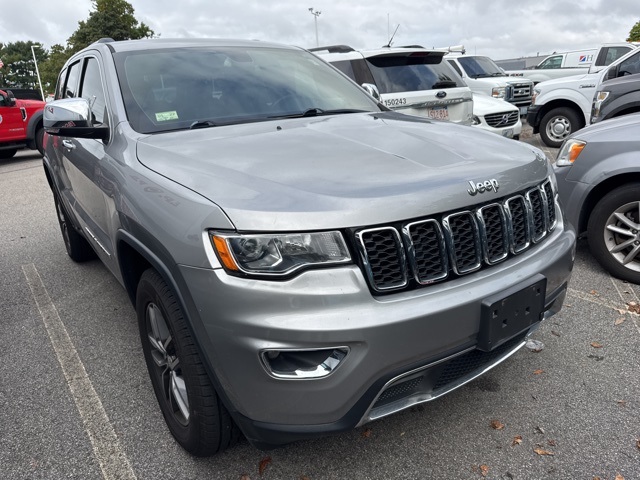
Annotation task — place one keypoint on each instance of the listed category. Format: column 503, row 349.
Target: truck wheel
column 77, row 246
column 8, row 153
column 614, row 232
column 557, row 125
column 39, row 140
column 193, row 412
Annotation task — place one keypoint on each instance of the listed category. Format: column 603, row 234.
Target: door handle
column 68, row 144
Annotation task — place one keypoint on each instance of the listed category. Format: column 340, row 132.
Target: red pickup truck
column 20, row 124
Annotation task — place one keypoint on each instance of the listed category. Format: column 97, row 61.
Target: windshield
column 205, row 87
column 403, row 73
column 477, row 67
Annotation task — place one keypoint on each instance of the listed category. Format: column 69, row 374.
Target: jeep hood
column 340, row 171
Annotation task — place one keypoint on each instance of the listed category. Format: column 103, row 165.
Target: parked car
column 20, row 124
column 417, row 81
column 484, row 77
column 598, row 171
column 563, row 106
column 616, row 97
column 302, row 260
column 412, row 80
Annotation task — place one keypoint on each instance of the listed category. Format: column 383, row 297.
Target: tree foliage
column 19, row 70
column 109, row 18
column 634, row 34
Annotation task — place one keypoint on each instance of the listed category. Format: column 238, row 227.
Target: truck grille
column 502, row 119
column 430, row 250
column 519, row 92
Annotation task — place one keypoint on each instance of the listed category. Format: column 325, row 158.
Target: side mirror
column 72, row 117
column 11, row 99
column 372, row 90
column 612, row 73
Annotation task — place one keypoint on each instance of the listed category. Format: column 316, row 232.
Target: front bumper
column 533, row 114
column 512, row 131
column 409, row 334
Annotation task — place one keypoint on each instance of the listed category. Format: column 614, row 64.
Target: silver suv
column 301, row 259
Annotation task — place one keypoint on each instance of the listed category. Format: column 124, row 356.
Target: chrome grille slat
column 433, row 249
column 502, row 119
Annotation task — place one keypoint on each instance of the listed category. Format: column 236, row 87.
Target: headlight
column 536, row 92
column 475, row 120
column 279, row 254
column 598, row 100
column 570, row 152
column 498, row 92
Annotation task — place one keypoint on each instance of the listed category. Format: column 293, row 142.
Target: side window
column 455, row 66
column 630, row 66
column 614, row 53
column 552, row 62
column 71, row 85
column 345, row 67
column 91, row 89
column 60, row 85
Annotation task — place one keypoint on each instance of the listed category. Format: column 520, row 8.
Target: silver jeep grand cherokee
column 302, row 260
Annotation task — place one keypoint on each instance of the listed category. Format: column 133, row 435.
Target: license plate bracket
column 511, row 312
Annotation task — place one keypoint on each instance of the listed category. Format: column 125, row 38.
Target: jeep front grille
column 502, row 119
column 430, row 250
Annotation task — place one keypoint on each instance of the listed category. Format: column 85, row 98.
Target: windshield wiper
column 316, row 112
column 202, row 124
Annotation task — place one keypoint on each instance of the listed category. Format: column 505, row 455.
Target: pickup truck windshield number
column 395, row 102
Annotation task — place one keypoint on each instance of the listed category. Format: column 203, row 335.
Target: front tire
column 558, row 124
column 193, row 412
column 614, row 232
column 40, row 140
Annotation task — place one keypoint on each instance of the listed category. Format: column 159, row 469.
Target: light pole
column 315, row 14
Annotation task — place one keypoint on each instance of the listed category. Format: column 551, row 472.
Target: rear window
column 406, row 73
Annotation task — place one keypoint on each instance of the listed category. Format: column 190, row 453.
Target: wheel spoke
column 632, row 255
column 627, row 221
column 622, row 246
column 179, row 393
column 621, row 231
column 158, row 329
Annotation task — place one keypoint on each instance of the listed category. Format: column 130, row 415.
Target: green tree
column 634, row 34
column 18, row 70
column 50, row 69
column 109, row 18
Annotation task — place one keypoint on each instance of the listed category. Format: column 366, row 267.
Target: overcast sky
column 498, row 28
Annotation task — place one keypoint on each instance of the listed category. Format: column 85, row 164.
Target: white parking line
column 106, row 447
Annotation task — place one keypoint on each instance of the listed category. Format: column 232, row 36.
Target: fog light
column 303, row 364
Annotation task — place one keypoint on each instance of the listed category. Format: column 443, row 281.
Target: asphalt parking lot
column 77, row 402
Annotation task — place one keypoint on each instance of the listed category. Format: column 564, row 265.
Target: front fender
column 580, row 99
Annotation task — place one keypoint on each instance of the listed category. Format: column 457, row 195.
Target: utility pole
column 35, row 62
column 315, row 14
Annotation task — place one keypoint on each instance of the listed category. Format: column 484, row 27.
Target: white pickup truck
column 562, row 106
column 484, row 77
column 578, row 62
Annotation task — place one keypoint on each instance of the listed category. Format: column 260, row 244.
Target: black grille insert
column 433, row 249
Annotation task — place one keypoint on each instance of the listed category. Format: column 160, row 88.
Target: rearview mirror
column 72, row 117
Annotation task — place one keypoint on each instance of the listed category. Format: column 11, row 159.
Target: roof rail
column 333, row 49
column 411, row 46
column 105, row 40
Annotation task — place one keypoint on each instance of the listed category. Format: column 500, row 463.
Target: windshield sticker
column 166, row 116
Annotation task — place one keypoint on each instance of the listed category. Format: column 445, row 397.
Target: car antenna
column 388, row 45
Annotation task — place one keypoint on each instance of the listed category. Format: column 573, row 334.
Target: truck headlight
column 598, row 100
column 569, row 153
column 279, row 254
column 536, row 92
column 498, row 92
